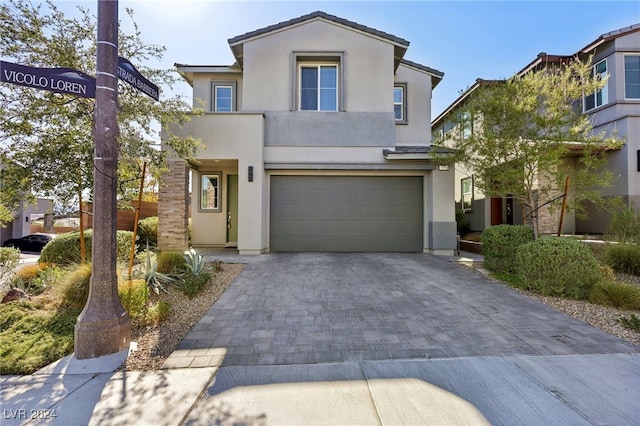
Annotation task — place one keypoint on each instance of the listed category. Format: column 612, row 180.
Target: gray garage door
column 346, row 214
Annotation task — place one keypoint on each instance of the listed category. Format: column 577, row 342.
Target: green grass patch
column 34, row 334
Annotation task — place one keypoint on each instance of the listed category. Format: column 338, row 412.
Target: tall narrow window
column 600, row 97
column 223, row 99
column 632, row 76
column 319, row 87
column 398, row 103
column 467, row 193
column 210, row 192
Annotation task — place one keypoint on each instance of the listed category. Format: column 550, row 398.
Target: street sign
column 59, row 80
column 71, row 81
column 129, row 74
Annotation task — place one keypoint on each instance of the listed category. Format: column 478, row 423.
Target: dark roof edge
column 314, row 15
column 432, row 71
column 464, row 95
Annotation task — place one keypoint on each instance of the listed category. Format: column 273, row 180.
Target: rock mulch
column 155, row 343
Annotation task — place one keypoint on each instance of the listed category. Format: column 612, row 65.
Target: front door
column 232, row 210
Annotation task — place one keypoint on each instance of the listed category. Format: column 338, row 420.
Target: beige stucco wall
column 202, row 88
column 237, row 137
column 368, row 67
column 418, row 98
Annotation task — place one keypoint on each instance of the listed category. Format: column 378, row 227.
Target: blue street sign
column 129, row 74
column 59, row 80
column 70, row 81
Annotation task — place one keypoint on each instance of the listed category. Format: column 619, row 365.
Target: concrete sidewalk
column 517, row 390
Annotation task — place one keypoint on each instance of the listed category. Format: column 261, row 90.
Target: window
column 466, row 125
column 467, row 193
column 319, row 87
column 210, row 192
column 222, row 99
column 223, row 96
column 400, row 103
column 632, row 76
column 600, row 97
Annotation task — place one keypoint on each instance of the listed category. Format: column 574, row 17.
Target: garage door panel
column 346, row 213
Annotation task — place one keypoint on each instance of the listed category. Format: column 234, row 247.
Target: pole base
column 96, row 339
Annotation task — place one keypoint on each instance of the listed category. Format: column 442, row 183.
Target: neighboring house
column 21, row 224
column 317, row 139
column 614, row 108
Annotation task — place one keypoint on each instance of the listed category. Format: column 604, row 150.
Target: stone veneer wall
column 173, row 199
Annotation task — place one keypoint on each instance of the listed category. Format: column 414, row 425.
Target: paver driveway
column 325, row 307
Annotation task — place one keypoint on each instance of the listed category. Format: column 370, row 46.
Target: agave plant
column 194, row 262
column 156, row 280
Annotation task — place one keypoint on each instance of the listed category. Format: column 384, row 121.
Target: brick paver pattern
column 327, row 307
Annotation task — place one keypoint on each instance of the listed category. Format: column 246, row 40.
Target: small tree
column 46, row 139
column 515, row 137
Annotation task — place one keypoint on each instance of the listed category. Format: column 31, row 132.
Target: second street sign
column 129, row 74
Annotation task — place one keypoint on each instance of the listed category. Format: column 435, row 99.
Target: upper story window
column 400, row 103
column 317, row 81
column 600, row 97
column 223, row 96
column 318, row 87
column 632, row 76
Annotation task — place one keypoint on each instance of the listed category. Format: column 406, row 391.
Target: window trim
column 405, row 118
column 624, row 71
column 604, row 90
column 222, row 83
column 316, row 57
column 218, row 198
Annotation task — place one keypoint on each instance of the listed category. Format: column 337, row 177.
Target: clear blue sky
column 463, row 39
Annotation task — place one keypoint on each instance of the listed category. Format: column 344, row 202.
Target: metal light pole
column 104, row 327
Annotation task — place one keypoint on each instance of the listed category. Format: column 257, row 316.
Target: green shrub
column 75, row 287
column 159, row 312
column 632, row 322
column 625, row 226
column 500, row 243
column 617, row 294
column 463, row 226
column 134, row 295
column 65, row 248
column 34, row 278
column 556, row 266
column 194, row 284
column 171, row 262
column 148, row 231
column 623, row 258
column 9, row 258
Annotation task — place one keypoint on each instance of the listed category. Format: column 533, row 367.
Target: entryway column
column 173, row 207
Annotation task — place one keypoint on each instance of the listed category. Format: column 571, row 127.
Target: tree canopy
column 46, row 144
column 521, row 137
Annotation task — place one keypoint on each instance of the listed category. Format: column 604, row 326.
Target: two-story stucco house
column 615, row 55
column 317, row 139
